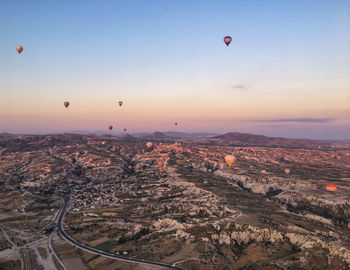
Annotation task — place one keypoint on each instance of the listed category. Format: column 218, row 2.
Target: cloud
column 241, row 86
column 296, row 120
column 272, row 126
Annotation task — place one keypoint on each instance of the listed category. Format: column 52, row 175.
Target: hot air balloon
column 175, row 123
column 110, row 127
column 287, row 171
column 229, row 159
column 66, row 104
column 263, row 172
column 124, row 129
column 271, row 189
column 102, row 143
column 331, row 187
column 160, row 165
column 313, row 204
column 349, row 225
column 227, row 40
column 19, row 49
column 149, row 145
column 120, row 103
column 309, row 199
column 129, row 167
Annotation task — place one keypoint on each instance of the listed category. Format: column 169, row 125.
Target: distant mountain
column 156, row 136
column 174, row 134
column 96, row 132
column 246, row 139
column 6, row 134
column 194, row 135
column 128, row 137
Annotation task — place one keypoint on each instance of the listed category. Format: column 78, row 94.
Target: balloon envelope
column 331, row 187
column 66, row 104
column 229, row 159
column 19, row 49
column 263, row 172
column 175, row 123
column 110, row 127
column 149, row 145
column 227, row 40
column 120, row 103
column 160, row 165
column 287, row 171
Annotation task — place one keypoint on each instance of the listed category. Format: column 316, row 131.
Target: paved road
column 99, row 252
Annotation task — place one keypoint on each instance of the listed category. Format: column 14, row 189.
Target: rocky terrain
column 195, row 213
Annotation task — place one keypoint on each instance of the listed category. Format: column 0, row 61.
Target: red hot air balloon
column 175, row 123
column 124, row 129
column 331, row 187
column 227, row 40
column 160, row 165
column 120, row 103
column 66, row 104
column 19, row 49
column 110, row 127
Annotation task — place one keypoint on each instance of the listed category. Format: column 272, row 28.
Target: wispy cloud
column 241, row 86
column 296, row 120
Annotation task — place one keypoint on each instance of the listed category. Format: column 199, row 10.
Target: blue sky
column 166, row 60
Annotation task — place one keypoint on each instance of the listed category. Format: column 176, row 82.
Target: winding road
column 100, row 252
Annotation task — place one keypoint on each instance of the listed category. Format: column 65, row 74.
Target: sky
column 285, row 73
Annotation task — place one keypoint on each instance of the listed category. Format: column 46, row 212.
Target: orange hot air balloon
column 160, row 165
column 66, row 104
column 331, row 187
column 287, row 171
column 263, row 172
column 229, row 159
column 120, row 103
column 349, row 225
column 149, row 145
column 110, row 127
column 130, row 167
column 227, row 40
column 102, row 143
column 19, row 49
